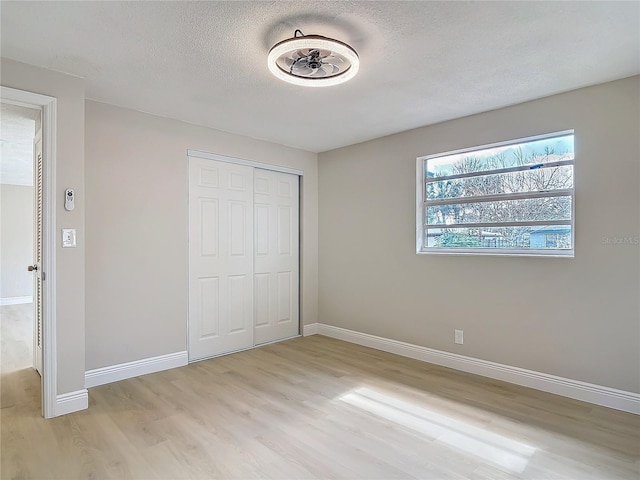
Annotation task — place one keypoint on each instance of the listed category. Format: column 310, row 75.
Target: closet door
column 276, row 276
column 220, row 258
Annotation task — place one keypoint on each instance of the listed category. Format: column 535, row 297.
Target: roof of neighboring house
column 552, row 229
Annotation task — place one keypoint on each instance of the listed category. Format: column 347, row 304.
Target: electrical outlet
column 459, row 337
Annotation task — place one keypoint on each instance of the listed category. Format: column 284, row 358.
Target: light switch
column 68, row 237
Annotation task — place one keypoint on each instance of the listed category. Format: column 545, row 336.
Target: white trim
column 72, row 402
column 501, row 252
column 15, row 300
column 241, row 161
column 311, row 329
column 420, row 208
column 218, row 355
column 24, row 98
column 253, row 347
column 122, row 371
column 271, row 342
column 586, row 392
column 49, row 321
column 504, row 143
column 49, row 150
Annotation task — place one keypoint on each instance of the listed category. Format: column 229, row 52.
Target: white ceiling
column 17, row 129
column 422, row 62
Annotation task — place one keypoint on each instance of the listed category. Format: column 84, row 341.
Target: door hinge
column 43, row 276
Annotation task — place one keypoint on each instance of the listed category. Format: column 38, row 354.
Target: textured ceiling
column 421, row 62
column 17, row 129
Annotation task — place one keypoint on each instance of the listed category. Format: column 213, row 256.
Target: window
column 514, row 197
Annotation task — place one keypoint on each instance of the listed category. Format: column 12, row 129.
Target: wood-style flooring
column 314, row 407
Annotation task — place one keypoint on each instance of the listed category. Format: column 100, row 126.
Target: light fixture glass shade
column 313, row 61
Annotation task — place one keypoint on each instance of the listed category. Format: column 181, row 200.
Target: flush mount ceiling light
column 313, row 60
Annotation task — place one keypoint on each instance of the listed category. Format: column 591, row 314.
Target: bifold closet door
column 276, row 275
column 221, row 256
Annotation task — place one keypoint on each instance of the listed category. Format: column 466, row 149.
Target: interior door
column 220, row 258
column 36, row 268
column 276, row 277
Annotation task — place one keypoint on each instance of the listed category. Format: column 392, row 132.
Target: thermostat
column 69, row 199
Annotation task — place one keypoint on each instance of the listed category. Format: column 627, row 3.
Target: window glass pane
column 525, row 153
column 537, row 180
column 516, row 238
column 480, row 200
column 522, row 210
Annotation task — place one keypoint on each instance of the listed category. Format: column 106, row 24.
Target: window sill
column 493, row 253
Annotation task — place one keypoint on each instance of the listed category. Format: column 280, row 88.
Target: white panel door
column 220, row 258
column 276, row 255
column 38, row 231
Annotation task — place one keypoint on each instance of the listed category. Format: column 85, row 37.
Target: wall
column 577, row 318
column 16, row 240
column 69, row 274
column 137, row 228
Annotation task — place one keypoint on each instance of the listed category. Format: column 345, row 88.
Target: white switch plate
column 459, row 337
column 68, row 237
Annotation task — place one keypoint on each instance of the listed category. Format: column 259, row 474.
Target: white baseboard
column 587, row 392
column 15, row 300
column 311, row 329
column 122, row 371
column 72, row 402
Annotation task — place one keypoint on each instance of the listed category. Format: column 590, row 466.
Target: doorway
column 21, row 144
column 42, row 259
column 243, row 255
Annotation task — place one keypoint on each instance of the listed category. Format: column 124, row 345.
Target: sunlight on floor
column 492, row 447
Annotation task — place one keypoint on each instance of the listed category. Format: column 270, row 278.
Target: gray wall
column 137, row 228
column 16, row 240
column 577, row 318
column 69, row 274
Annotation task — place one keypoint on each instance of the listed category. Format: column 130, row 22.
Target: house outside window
column 510, row 198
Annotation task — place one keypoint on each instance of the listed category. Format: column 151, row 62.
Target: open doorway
column 20, row 331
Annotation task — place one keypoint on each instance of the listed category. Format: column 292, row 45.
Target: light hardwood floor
column 16, row 341
column 315, row 408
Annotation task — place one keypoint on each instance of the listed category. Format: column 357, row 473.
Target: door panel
column 284, row 297
column 276, row 256
column 284, row 230
column 210, row 302
column 237, row 228
column 262, row 229
column 209, row 226
column 238, row 286
column 220, row 258
column 38, row 183
column 261, row 300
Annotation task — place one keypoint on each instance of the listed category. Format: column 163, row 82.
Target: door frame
column 48, row 382
column 241, row 161
column 263, row 166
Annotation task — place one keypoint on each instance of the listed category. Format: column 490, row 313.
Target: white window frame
column 422, row 203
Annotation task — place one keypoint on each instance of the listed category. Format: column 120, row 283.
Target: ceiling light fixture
column 313, row 60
